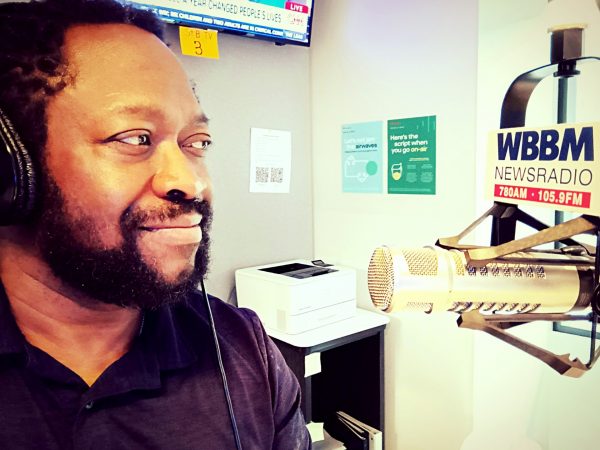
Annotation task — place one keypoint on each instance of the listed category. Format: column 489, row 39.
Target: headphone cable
column 234, row 428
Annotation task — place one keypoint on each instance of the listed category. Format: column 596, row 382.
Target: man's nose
column 179, row 175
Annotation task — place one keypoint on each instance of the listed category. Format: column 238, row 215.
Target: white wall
column 382, row 60
column 254, row 84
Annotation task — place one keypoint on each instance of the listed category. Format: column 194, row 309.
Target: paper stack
column 355, row 435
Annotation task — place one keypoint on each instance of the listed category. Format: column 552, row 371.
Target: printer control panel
column 298, row 270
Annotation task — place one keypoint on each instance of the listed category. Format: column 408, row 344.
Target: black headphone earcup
column 17, row 176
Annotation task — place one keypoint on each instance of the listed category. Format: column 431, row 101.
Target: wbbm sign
column 555, row 166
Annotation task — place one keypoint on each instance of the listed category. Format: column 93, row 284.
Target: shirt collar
column 172, row 338
column 11, row 338
column 176, row 334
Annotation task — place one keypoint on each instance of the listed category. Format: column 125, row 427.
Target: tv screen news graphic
column 281, row 21
column 555, row 166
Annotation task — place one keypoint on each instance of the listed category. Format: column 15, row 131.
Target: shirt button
column 89, row 405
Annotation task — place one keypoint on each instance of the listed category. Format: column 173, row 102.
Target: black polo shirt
column 165, row 393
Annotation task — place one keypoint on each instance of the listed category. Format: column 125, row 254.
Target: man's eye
column 197, row 145
column 203, row 145
column 136, row 139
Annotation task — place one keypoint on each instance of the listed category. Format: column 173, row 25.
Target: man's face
column 125, row 187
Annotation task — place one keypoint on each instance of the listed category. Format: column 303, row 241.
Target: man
column 104, row 340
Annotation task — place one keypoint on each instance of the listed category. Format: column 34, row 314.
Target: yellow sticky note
column 201, row 43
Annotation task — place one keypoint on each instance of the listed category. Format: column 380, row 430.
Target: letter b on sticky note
column 200, row 43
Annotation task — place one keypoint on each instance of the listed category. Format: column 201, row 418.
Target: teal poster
column 411, row 156
column 361, row 157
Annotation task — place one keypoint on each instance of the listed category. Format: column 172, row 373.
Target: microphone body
column 431, row 279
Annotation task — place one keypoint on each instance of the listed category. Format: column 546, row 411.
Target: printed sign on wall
column 553, row 166
column 270, row 160
column 411, row 155
column 361, row 157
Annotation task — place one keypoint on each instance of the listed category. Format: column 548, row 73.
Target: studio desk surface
column 351, row 376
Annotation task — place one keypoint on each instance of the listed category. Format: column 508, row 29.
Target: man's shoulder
column 239, row 326
column 181, row 333
column 220, row 309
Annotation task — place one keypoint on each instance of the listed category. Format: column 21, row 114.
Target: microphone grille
column 421, row 261
column 380, row 278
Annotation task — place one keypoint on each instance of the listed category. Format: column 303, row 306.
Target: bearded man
column 105, row 341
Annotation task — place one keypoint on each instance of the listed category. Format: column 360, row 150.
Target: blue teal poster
column 362, row 157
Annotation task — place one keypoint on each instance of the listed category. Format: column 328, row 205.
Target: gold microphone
column 434, row 279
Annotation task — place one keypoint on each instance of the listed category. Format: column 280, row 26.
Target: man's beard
column 118, row 276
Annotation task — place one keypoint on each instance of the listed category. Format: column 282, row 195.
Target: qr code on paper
column 262, row 175
column 276, row 174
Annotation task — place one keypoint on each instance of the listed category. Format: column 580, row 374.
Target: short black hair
column 32, row 64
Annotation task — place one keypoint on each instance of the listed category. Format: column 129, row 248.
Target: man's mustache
column 133, row 219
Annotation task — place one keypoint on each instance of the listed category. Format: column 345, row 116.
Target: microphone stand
column 566, row 50
column 595, row 305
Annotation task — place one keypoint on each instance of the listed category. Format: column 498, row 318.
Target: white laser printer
column 296, row 296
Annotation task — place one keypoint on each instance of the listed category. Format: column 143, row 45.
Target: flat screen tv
column 281, row 21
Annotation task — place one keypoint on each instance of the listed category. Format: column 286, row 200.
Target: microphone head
column 380, row 278
column 412, row 279
column 434, row 279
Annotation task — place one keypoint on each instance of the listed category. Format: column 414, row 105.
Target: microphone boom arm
column 563, row 364
column 479, row 256
column 497, row 324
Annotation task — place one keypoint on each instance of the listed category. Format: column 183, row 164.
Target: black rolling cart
column 351, row 354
